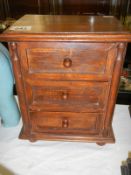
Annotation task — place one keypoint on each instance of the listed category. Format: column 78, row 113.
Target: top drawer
column 68, row 58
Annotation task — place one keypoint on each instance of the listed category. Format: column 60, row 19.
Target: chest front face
column 67, row 88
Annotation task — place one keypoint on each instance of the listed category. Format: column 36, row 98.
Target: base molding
column 100, row 140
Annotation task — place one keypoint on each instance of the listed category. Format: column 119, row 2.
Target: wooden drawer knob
column 64, row 96
column 65, row 123
column 67, row 62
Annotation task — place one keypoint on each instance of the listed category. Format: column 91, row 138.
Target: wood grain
column 67, row 71
column 68, row 28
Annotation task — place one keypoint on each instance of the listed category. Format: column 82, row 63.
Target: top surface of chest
column 72, row 24
column 59, row 27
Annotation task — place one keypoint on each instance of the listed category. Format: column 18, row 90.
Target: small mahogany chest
column 67, row 71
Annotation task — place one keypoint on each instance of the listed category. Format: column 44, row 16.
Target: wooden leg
column 101, row 143
column 32, row 140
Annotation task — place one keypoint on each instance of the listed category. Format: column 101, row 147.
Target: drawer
column 68, row 58
column 79, row 96
column 55, row 122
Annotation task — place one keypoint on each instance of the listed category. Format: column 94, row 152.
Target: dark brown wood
column 115, row 84
column 81, row 96
column 68, row 28
column 68, row 57
column 67, row 72
column 19, row 8
column 84, row 7
column 16, row 9
column 101, row 143
column 19, row 86
column 2, row 10
column 66, row 123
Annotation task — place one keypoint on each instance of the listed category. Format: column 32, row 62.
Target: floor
column 66, row 158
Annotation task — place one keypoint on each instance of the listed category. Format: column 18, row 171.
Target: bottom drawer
column 66, row 123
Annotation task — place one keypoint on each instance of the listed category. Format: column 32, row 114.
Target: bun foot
column 32, row 140
column 101, row 143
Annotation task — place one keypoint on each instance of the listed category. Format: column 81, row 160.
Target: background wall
column 17, row 8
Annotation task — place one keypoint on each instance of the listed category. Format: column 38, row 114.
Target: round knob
column 67, row 62
column 65, row 123
column 64, row 96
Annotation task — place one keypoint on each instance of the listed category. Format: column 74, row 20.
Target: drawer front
column 55, row 122
column 67, row 96
column 68, row 58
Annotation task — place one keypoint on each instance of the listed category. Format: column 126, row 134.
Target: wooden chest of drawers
column 67, row 71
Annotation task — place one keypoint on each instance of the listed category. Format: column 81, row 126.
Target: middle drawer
column 78, row 96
